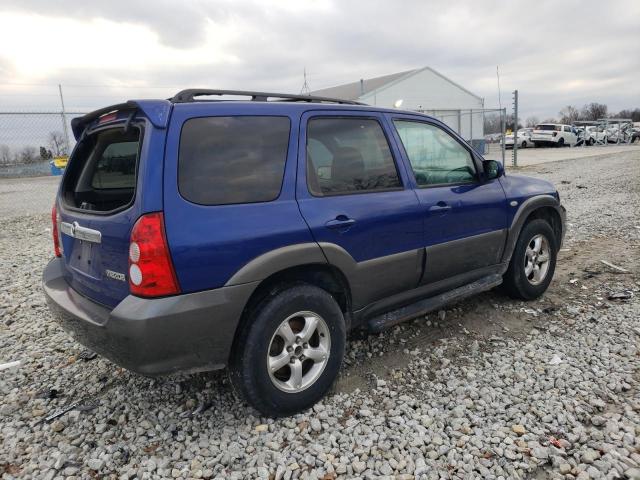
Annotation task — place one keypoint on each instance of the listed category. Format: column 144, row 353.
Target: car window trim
column 355, row 192
column 464, row 145
column 284, row 169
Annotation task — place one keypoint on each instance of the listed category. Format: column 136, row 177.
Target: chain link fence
column 29, row 141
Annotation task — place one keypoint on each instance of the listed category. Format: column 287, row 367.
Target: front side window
column 229, row 160
column 348, row 155
column 436, row 157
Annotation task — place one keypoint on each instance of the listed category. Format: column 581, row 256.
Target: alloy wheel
column 299, row 351
column 537, row 259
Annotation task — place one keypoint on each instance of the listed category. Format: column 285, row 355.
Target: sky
column 555, row 53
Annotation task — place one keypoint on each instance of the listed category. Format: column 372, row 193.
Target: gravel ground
column 489, row 388
column 27, row 196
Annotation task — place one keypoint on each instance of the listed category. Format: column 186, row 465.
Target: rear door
column 464, row 218
column 99, row 200
column 353, row 193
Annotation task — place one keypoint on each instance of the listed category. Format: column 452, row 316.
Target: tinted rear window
column 548, row 127
column 101, row 175
column 225, row 160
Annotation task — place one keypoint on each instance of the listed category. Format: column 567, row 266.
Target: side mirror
column 492, row 169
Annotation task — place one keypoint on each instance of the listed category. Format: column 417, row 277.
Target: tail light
column 57, row 241
column 554, row 134
column 151, row 272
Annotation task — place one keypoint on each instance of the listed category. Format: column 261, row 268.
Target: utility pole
column 305, row 86
column 515, row 128
column 63, row 115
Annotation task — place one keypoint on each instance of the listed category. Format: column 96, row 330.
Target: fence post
column 65, row 129
column 515, row 128
column 503, row 124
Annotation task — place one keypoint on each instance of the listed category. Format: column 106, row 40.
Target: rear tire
column 533, row 262
column 289, row 351
column 560, row 143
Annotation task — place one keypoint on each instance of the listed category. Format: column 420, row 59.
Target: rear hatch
column 98, row 203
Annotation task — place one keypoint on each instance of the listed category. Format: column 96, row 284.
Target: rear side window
column 348, row 155
column 116, row 166
column 226, row 160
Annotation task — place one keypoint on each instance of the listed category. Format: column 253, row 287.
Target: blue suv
column 204, row 232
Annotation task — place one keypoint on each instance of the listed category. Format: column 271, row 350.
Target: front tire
column 524, row 144
column 533, row 262
column 289, row 351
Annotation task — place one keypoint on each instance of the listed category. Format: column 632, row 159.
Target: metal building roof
column 353, row 90
column 356, row 90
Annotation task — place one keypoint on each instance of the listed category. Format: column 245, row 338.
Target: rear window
column 227, row 160
column 548, row 127
column 102, row 170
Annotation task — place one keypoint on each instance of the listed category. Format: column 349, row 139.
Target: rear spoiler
column 157, row 111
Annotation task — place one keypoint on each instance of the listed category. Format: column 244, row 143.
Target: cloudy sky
column 555, row 52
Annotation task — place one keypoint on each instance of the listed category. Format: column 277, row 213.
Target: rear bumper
column 190, row 332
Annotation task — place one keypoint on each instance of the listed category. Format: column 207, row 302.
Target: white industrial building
column 422, row 89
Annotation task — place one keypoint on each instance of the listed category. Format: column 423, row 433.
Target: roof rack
column 189, row 95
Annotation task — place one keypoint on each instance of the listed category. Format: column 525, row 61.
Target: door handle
column 341, row 221
column 440, row 207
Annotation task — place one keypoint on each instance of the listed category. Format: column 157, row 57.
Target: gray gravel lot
column 489, row 388
column 27, row 196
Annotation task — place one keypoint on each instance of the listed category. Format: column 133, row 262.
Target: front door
column 352, row 193
column 465, row 218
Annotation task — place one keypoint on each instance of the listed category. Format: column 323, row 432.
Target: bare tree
column 28, row 155
column 531, row 121
column 492, row 123
column 593, row 111
column 510, row 123
column 569, row 114
column 5, row 154
column 634, row 114
column 57, row 143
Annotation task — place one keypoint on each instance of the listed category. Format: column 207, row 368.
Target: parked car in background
column 595, row 134
column 614, row 135
column 591, row 134
column 524, row 139
column 554, row 135
column 192, row 235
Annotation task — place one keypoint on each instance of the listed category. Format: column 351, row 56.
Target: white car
column 553, row 134
column 524, row 139
column 594, row 134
